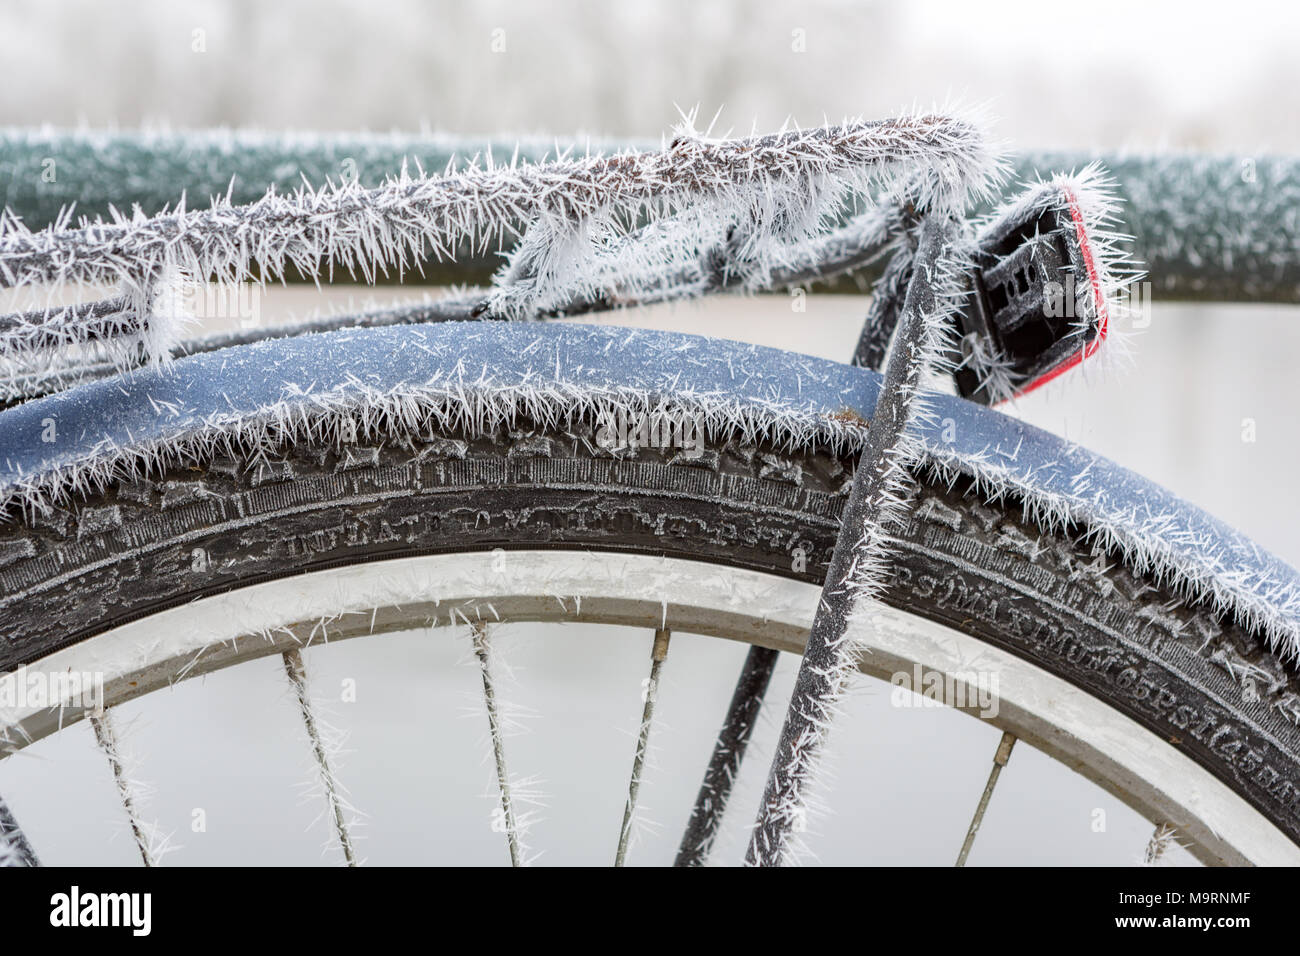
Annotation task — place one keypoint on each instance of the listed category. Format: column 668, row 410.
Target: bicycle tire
column 1103, row 603
column 978, row 567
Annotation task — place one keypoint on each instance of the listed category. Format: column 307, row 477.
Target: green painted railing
column 1220, row 228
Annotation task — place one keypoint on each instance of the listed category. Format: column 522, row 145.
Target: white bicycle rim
column 1041, row 709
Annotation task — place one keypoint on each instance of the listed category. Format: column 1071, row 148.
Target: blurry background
column 1111, row 73
column 1205, row 76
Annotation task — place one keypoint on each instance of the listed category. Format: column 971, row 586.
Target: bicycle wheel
column 740, row 528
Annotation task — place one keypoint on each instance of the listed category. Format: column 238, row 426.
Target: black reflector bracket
column 1038, row 304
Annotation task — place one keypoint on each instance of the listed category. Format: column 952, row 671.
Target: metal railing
column 1207, row 227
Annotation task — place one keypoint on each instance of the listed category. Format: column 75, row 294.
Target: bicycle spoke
column 1161, row 840
column 498, row 741
column 297, row 672
column 15, row 849
column 106, row 736
column 711, row 802
column 658, row 654
column 1000, row 758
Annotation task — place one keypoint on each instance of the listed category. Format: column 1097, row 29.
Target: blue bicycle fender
column 481, row 373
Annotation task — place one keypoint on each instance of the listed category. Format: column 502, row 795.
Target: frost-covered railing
column 1208, row 227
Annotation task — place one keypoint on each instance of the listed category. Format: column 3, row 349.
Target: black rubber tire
column 977, row 567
